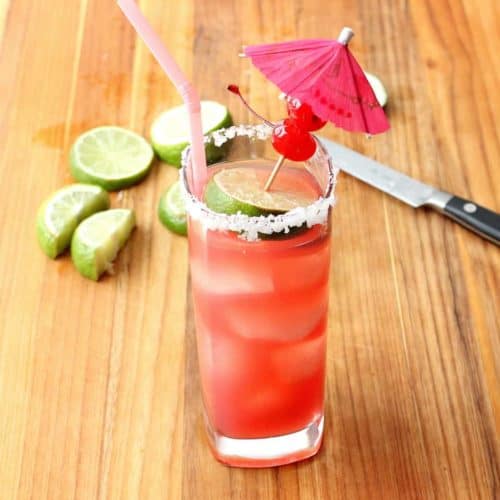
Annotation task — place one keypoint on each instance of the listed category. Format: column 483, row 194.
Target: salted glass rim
column 250, row 227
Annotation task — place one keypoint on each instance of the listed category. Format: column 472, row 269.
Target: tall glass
column 261, row 302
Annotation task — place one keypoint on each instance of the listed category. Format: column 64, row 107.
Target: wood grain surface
column 99, row 391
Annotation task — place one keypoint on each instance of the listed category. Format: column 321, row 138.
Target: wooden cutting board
column 99, row 391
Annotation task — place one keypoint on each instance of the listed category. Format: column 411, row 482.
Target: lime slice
column 236, row 190
column 98, row 239
column 172, row 209
column 60, row 214
column 170, row 132
column 378, row 88
column 111, row 157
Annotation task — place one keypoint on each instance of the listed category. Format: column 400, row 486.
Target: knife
column 473, row 216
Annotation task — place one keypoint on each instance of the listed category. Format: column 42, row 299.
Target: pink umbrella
column 324, row 75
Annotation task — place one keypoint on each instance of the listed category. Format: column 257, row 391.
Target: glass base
column 267, row 452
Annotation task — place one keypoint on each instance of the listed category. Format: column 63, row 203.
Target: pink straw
column 183, row 85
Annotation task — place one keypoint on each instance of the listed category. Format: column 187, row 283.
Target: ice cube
column 231, row 278
column 297, row 361
column 301, row 271
column 264, row 401
column 226, row 359
column 278, row 318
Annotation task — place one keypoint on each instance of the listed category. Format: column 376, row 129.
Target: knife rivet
column 470, row 208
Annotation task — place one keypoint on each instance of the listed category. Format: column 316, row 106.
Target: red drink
column 261, row 314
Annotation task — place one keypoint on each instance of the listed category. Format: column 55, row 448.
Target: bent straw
column 182, row 84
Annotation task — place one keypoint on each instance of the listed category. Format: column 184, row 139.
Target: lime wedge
column 172, row 209
column 378, row 88
column 170, row 132
column 111, row 157
column 98, row 239
column 236, row 190
column 60, row 214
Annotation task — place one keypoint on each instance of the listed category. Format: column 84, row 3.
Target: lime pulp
column 172, row 209
column 61, row 213
column 378, row 88
column 111, row 157
column 170, row 132
column 98, row 239
column 240, row 190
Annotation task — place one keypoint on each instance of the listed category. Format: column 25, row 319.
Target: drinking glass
column 260, row 290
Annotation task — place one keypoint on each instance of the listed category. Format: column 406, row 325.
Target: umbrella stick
column 270, row 179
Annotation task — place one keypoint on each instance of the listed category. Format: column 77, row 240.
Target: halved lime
column 236, row 190
column 172, row 209
column 111, row 157
column 170, row 132
column 378, row 88
column 98, row 239
column 60, row 214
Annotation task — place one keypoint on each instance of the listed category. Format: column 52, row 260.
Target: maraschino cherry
column 302, row 114
column 293, row 142
column 289, row 137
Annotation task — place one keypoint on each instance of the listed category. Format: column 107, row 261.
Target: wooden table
column 99, row 391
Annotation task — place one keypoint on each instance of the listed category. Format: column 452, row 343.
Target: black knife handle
column 474, row 217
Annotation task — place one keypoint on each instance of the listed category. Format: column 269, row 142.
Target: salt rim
column 249, row 227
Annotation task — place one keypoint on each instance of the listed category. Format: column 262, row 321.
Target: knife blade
column 471, row 215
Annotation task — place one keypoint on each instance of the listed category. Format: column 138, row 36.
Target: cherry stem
column 273, row 174
column 236, row 90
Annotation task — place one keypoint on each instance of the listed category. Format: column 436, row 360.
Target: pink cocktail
column 261, row 304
